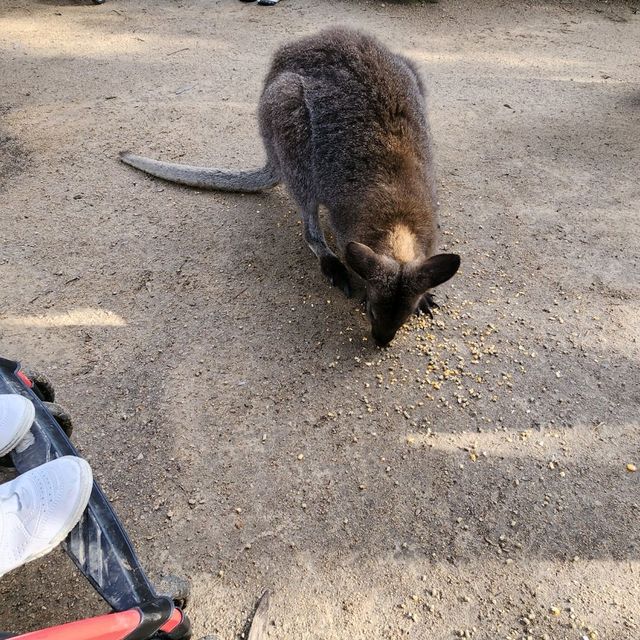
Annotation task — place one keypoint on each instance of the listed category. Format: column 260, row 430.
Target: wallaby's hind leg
column 286, row 130
column 330, row 264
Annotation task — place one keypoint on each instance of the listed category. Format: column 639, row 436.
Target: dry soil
column 470, row 481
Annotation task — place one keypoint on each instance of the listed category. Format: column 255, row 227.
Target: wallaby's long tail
column 203, row 178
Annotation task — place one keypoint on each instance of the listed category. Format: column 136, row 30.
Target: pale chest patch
column 402, row 243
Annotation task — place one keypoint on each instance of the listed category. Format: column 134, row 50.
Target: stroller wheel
column 42, row 385
column 61, row 415
column 177, row 588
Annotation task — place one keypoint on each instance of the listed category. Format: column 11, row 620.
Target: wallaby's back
column 367, row 139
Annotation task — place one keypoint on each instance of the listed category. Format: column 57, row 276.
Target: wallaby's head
column 394, row 289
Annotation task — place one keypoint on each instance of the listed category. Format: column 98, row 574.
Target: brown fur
column 402, row 243
column 343, row 121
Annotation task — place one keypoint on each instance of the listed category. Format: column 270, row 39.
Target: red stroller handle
column 113, row 626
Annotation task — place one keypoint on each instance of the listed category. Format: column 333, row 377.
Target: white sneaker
column 16, row 417
column 39, row 508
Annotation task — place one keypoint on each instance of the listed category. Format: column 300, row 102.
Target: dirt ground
column 470, row 481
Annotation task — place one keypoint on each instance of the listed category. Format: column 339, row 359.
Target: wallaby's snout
column 383, row 343
column 395, row 291
column 382, row 340
column 384, row 325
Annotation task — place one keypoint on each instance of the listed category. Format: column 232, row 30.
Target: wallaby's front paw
column 337, row 274
column 426, row 304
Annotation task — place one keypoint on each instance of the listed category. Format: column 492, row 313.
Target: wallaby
column 343, row 121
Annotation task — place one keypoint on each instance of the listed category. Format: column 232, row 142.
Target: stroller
column 99, row 545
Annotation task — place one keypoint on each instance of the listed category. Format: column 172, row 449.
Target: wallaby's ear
column 363, row 260
column 434, row 271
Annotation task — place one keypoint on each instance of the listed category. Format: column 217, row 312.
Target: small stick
column 258, row 630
